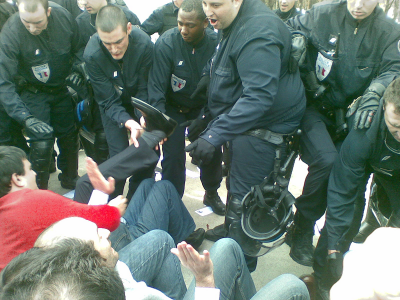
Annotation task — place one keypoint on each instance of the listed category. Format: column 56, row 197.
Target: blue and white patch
column 42, row 72
column 177, row 83
column 323, row 67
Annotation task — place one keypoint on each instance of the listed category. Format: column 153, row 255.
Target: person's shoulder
column 139, row 36
column 93, row 48
column 170, row 37
column 59, row 10
column 13, row 25
column 385, row 22
column 211, row 34
column 83, row 17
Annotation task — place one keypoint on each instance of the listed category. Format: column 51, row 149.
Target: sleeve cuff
column 213, row 138
column 206, row 293
column 98, row 198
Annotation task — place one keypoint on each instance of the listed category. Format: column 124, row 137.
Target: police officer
column 352, row 51
column 118, row 59
column 374, row 150
column 287, row 9
column 253, row 98
column 37, row 44
column 180, row 55
column 163, row 18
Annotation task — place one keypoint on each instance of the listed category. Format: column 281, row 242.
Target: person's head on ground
column 113, row 29
column 391, row 106
column 370, row 271
column 34, row 14
column 15, row 171
column 93, row 6
column 221, row 13
column 71, row 270
column 286, row 5
column 192, row 21
column 79, row 228
column 361, row 9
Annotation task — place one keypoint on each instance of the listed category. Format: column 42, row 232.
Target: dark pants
column 174, row 157
column 117, row 140
column 130, row 162
column 319, row 152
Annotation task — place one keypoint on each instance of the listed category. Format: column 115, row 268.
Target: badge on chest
column 177, row 83
column 42, row 72
column 323, row 66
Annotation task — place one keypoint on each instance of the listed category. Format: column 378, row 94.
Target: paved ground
column 269, row 266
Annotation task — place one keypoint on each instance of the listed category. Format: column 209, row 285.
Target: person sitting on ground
column 20, row 197
column 73, row 270
column 223, row 267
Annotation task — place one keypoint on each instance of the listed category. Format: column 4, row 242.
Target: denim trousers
column 233, row 278
column 155, row 205
column 150, row 260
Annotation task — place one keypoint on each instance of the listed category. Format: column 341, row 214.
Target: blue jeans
column 150, row 260
column 233, row 278
column 155, row 205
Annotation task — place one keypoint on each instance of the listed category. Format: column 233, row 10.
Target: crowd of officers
column 238, row 85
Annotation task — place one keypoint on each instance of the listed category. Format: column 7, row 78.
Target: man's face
column 286, row 5
column 88, row 231
column 93, row 6
column 116, row 41
column 29, row 176
column 190, row 27
column 360, row 9
column 221, row 13
column 35, row 22
column 392, row 120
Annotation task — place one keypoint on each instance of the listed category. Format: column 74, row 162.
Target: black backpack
column 6, row 11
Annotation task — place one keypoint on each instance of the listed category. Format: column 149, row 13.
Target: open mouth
column 213, row 22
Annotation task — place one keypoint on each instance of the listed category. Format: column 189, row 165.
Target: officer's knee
column 325, row 161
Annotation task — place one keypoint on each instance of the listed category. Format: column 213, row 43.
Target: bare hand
column 119, row 202
column 200, row 265
column 97, row 179
column 136, row 131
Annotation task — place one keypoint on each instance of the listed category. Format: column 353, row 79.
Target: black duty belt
column 267, row 135
column 181, row 108
column 44, row 89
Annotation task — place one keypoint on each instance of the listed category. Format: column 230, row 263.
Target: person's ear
column 205, row 23
column 18, row 180
column 48, row 12
column 129, row 28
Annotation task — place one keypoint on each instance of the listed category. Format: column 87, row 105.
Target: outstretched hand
column 200, row 265
column 97, row 179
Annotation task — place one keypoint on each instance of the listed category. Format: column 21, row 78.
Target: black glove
column 36, row 126
column 201, row 150
column 335, row 267
column 202, row 86
column 298, row 52
column 195, row 127
column 75, row 79
column 366, row 106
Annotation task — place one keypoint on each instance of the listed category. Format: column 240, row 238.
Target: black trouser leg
column 69, row 147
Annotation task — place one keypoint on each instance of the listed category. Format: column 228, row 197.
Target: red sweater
column 25, row 214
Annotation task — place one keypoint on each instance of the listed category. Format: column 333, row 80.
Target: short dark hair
column 72, row 269
column 11, row 161
column 32, row 5
column 392, row 95
column 194, row 5
column 110, row 17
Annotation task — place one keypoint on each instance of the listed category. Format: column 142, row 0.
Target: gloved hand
column 195, row 127
column 298, row 52
column 36, row 126
column 202, row 86
column 201, row 150
column 335, row 267
column 75, row 78
column 366, row 106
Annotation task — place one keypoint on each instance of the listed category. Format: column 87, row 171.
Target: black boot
column 40, row 155
column 196, row 238
column 302, row 249
column 69, row 147
column 211, row 198
column 100, row 147
column 220, row 231
column 367, row 227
